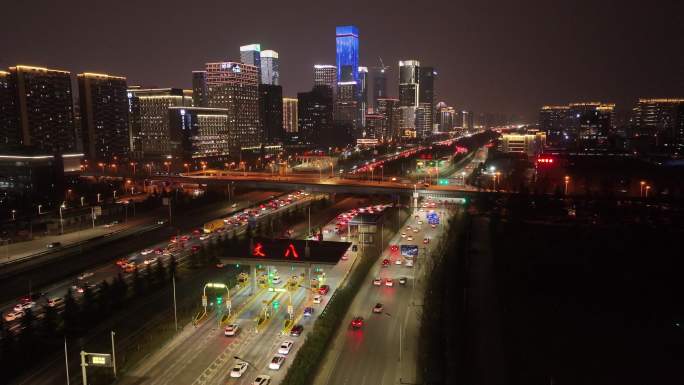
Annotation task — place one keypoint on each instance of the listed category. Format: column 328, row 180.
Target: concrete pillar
column 253, row 273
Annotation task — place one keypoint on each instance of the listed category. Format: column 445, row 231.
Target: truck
column 212, row 226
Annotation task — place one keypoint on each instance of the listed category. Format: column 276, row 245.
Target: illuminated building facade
column 391, row 112
column 379, row 85
column 347, row 48
column 660, row 119
column 290, row 116
column 200, row 97
column 104, row 116
column 447, row 116
column 325, row 75
column 409, row 75
column 251, row 54
column 42, row 105
column 199, row 133
column 9, row 129
column 235, row 87
column 270, row 67
column 426, row 101
column 530, row 144
column 149, row 120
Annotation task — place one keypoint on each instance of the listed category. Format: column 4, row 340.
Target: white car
column 231, row 330
column 262, row 379
column 239, row 369
column 276, row 279
column 276, row 362
column 398, row 261
column 285, row 347
column 204, row 237
column 14, row 315
column 317, row 298
column 147, row 251
column 403, row 235
column 415, row 230
column 150, row 260
column 420, row 222
column 409, row 238
column 377, row 282
column 389, row 282
column 55, row 302
column 85, row 275
column 409, row 263
column 24, row 305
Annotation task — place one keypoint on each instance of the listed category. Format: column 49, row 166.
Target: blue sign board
column 410, row 251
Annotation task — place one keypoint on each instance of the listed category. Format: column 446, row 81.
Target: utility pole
column 66, row 360
column 83, row 368
column 113, row 355
column 175, row 316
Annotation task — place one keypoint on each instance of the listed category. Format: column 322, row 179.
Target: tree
column 160, row 272
column 119, row 291
column 49, row 324
column 138, row 283
column 28, row 333
column 89, row 308
column 104, row 298
column 71, row 315
column 173, row 264
column 149, row 277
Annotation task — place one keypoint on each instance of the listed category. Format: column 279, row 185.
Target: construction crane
column 382, row 66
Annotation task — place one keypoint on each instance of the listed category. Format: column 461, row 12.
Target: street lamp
column 13, row 214
column 149, row 169
column 98, row 198
column 39, row 206
column 61, row 221
column 187, row 167
column 103, row 167
column 567, row 180
column 133, row 164
column 82, row 198
column 641, row 188
column 647, row 188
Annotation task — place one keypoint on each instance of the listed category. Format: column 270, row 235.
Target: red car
column 323, row 290
column 195, row 248
column 426, row 241
column 385, row 262
column 357, row 323
column 184, row 238
column 158, row 251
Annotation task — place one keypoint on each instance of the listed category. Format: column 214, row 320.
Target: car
column 196, row 232
column 184, row 238
column 108, row 225
column 195, row 248
column 285, row 347
column 159, row 251
column 389, row 282
column 308, row 311
column 408, row 228
column 14, row 315
column 276, row 279
column 409, row 238
column 415, row 230
column 355, row 248
column 239, row 369
column 262, row 379
column 55, row 302
column 434, row 226
column 344, row 257
column 54, row 245
column 204, row 237
column 377, row 282
column 357, row 323
column 276, row 362
column 220, row 265
column 147, row 251
column 149, row 261
column 121, row 262
column 161, row 222
column 403, row 235
column 408, row 263
column 296, row 330
column 85, row 275
column 24, row 305
column 426, row 241
column 129, row 268
column 385, row 262
column 231, row 330
column 323, row 290
column 420, row 222
column 398, row 261
column 317, row 298
column 377, row 308
column 402, row 281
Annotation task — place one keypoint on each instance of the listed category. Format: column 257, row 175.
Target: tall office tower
column 198, row 133
column 660, row 119
column 235, row 86
column 290, row 116
column 466, row 120
column 270, row 67
column 408, row 96
column 590, row 124
column 363, row 95
column 104, row 116
column 553, row 121
column 325, row 75
column 379, row 85
column 389, row 109
column 315, row 112
column 347, row 108
column 149, row 120
column 251, row 54
column 271, row 113
column 426, row 101
column 376, row 128
column 447, row 116
column 9, row 129
column 347, row 47
column 199, row 89
column 43, row 104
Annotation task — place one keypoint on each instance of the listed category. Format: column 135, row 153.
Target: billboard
column 409, row 251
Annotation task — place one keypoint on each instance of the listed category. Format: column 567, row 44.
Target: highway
column 384, row 350
column 203, row 355
column 108, row 271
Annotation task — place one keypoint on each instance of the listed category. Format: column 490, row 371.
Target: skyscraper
column 390, row 110
column 235, row 86
column 409, row 75
column 271, row 113
column 9, row 130
column 104, row 116
column 199, row 133
column 149, row 120
column 43, row 106
column 347, row 47
column 270, row 67
column 363, row 95
column 347, row 108
column 290, row 115
column 447, row 115
column 379, row 85
column 251, row 54
column 199, row 89
column 426, row 101
column 325, row 75
column 315, row 110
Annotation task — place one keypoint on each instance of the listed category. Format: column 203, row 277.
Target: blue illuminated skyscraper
column 347, row 42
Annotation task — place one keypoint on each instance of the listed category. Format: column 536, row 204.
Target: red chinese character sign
column 292, row 250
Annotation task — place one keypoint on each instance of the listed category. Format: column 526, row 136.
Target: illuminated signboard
column 99, row 359
column 545, row 160
column 409, row 251
column 291, row 250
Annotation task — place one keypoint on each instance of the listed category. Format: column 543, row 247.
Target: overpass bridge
column 313, row 183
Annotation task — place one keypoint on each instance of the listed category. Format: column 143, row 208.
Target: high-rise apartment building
column 149, row 120
column 271, row 113
column 104, row 116
column 251, row 54
column 43, row 109
column 270, row 67
column 290, row 116
column 661, row 119
column 325, row 75
column 315, row 110
column 199, row 89
column 552, row 121
column 390, row 110
column 9, row 129
column 584, row 125
column 409, row 75
column 199, row 133
column 235, row 87
column 347, row 48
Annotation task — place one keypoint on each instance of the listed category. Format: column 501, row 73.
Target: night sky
column 494, row 56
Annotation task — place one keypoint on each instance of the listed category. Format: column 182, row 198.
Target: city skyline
column 508, row 56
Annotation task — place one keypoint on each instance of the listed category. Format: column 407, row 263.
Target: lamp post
column 61, row 220
column 14, row 212
column 567, row 180
column 149, row 169
column 647, row 188
column 39, row 206
column 641, row 188
column 382, row 172
column 133, row 164
column 82, row 199
column 98, row 198
column 187, row 167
